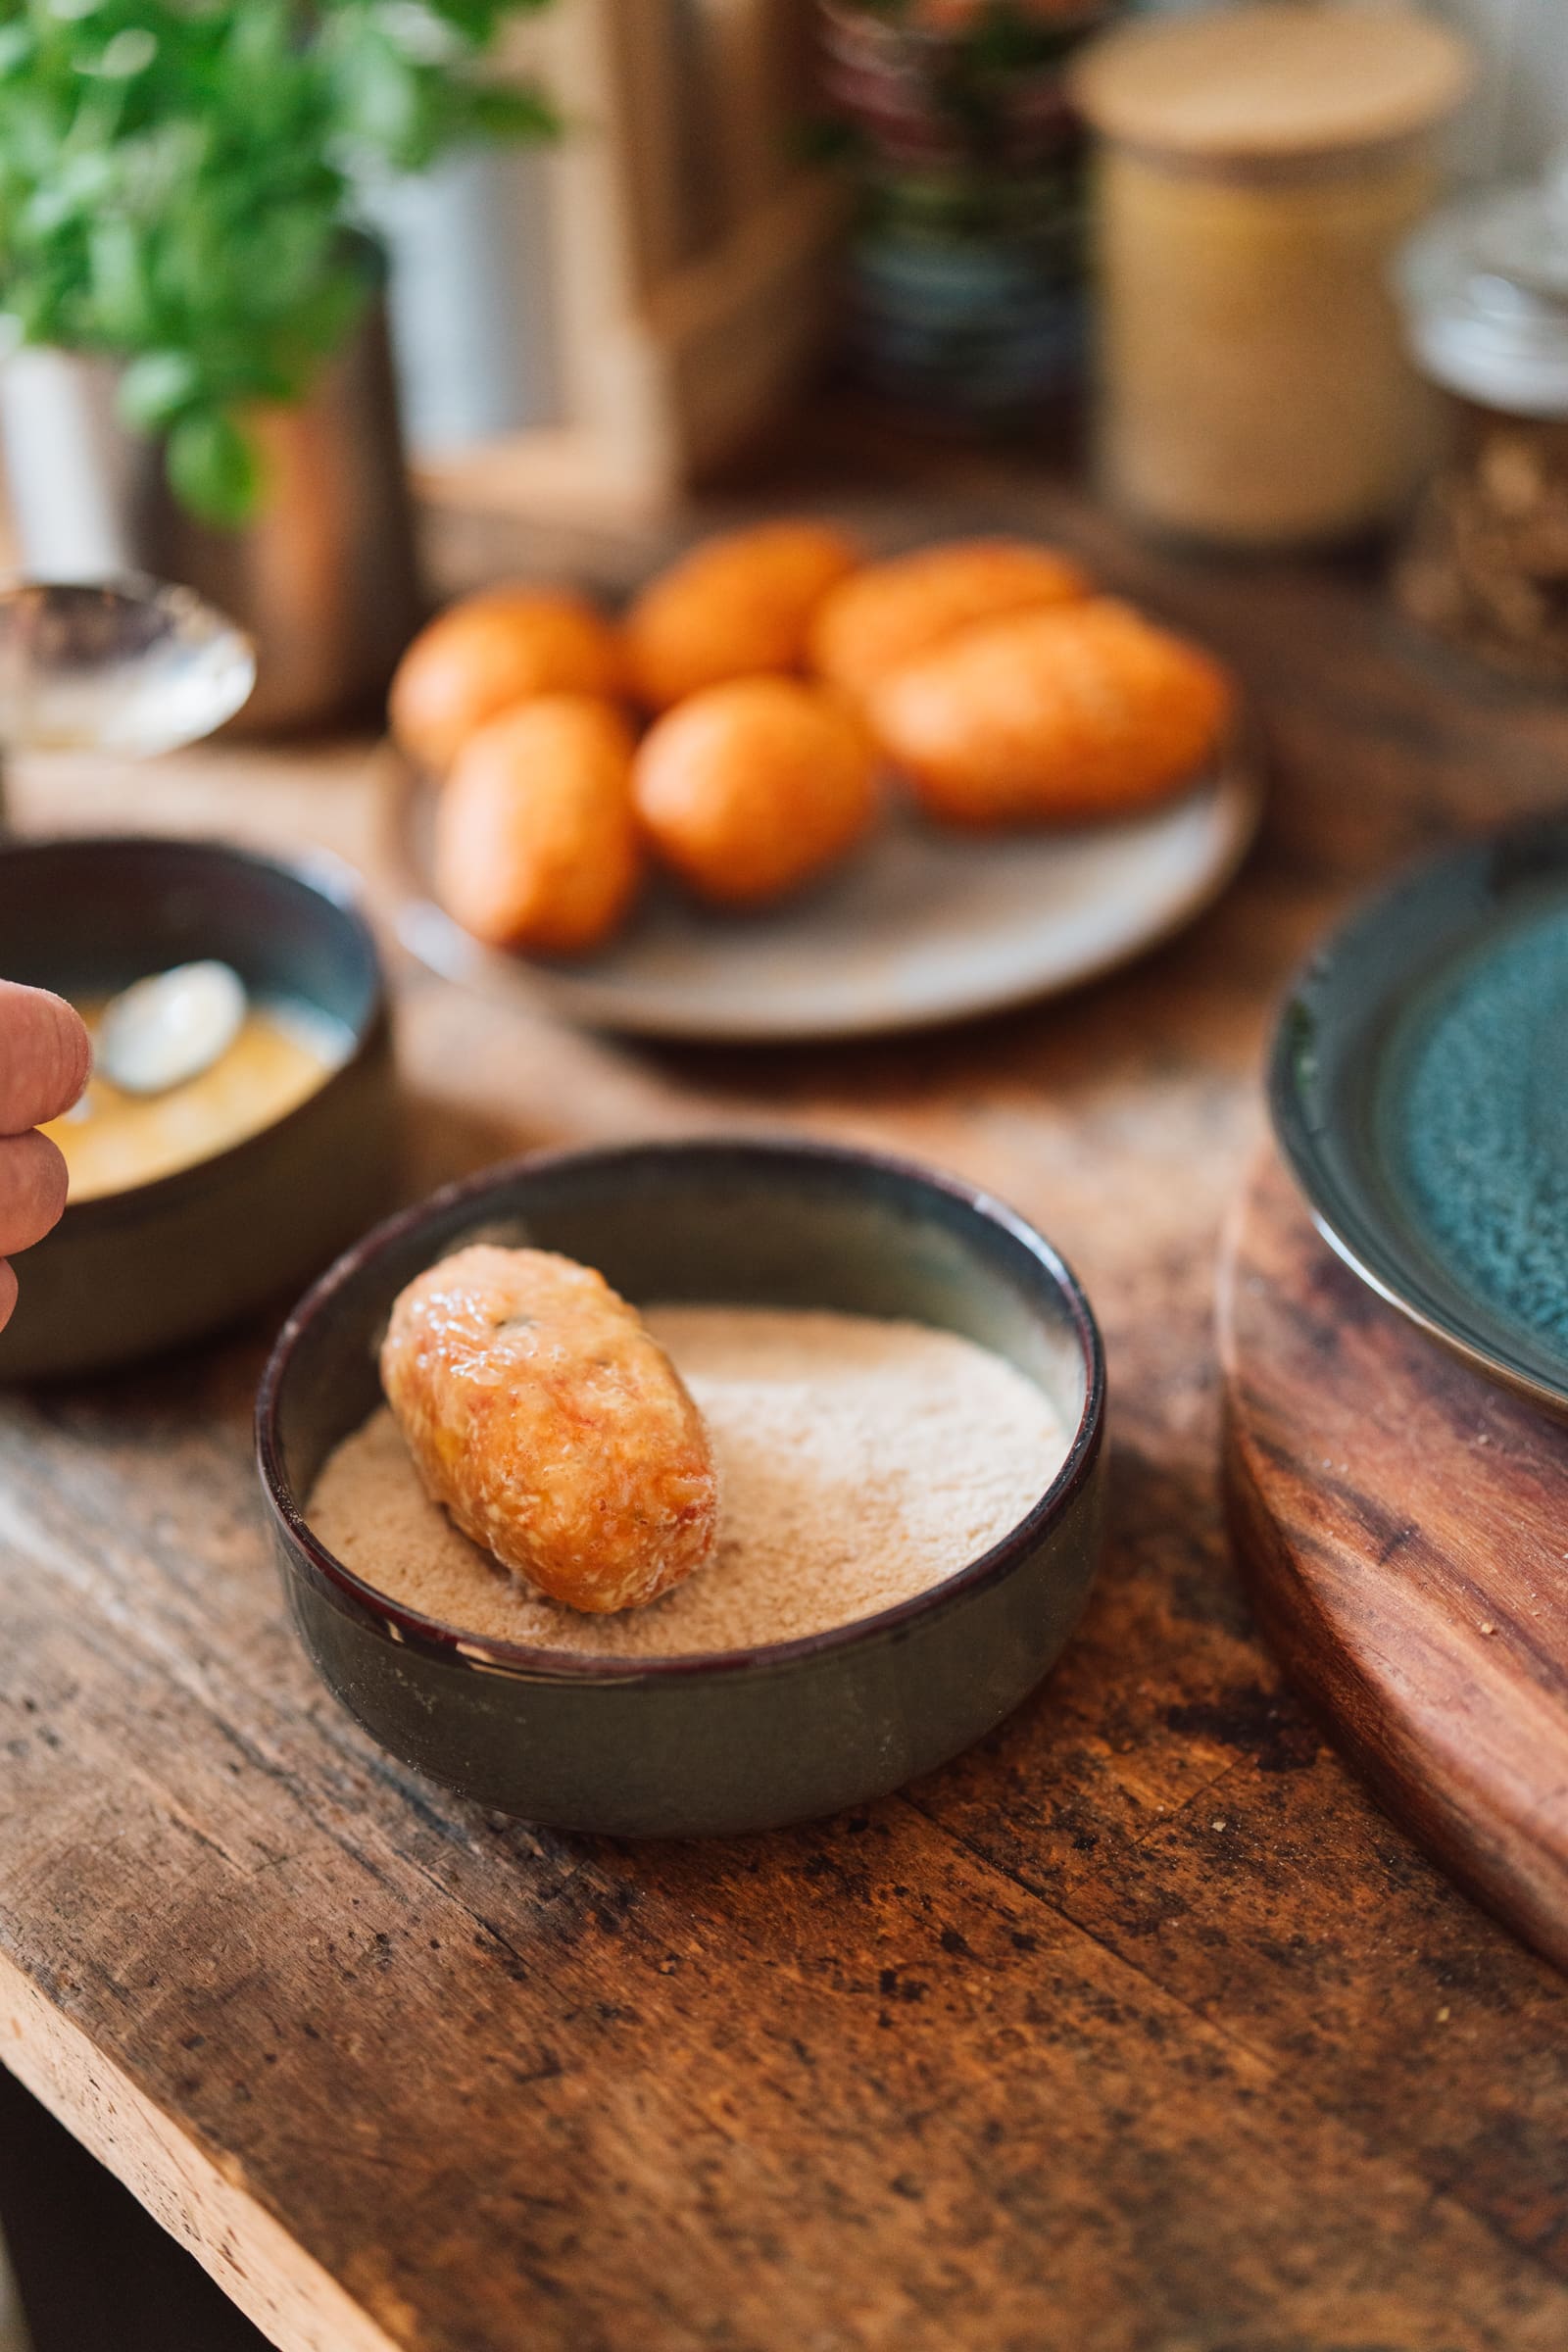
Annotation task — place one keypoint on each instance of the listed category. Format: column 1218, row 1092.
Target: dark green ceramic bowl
column 1419, row 1090
column 743, row 1739
column 161, row 1264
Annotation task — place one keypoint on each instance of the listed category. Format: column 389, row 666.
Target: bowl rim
column 1483, row 870
column 489, row 1654
column 329, row 879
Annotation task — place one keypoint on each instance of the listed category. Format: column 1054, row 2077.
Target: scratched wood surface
column 1138, row 2030
column 1403, row 1523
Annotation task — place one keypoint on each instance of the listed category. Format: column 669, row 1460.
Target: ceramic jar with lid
column 1485, row 288
column 1259, row 166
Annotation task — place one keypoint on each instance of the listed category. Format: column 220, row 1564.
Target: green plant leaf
column 156, row 387
column 518, row 111
column 177, row 177
column 120, row 292
column 127, row 53
column 216, row 469
column 17, row 47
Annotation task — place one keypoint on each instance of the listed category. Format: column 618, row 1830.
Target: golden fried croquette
column 545, row 1418
column 536, row 845
column 751, row 788
column 1086, row 710
column 733, row 608
column 892, row 614
column 489, row 652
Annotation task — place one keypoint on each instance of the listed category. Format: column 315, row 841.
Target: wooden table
column 1138, row 2030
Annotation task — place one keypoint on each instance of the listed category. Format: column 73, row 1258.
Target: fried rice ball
column 752, row 788
column 551, row 1426
column 489, row 652
column 892, row 614
column 733, row 608
column 536, row 845
column 1088, row 710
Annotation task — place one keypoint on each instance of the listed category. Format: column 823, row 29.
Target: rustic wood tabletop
column 1136, row 2030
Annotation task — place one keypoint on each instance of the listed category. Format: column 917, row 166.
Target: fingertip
column 35, row 1186
column 8, row 1291
column 73, row 1055
column 54, row 1181
column 46, row 1058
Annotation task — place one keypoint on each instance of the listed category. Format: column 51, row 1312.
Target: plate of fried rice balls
column 791, row 792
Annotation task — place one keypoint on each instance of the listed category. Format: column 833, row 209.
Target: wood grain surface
column 1138, row 2030
column 1404, row 1525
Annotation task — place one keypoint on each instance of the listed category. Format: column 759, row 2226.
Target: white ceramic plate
column 924, row 926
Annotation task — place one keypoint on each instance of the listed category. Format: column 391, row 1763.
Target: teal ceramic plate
column 1419, row 1088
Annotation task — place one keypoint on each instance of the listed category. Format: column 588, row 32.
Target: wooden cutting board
column 1403, row 1525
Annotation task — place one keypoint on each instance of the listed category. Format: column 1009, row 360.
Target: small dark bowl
column 133, row 1272
column 743, row 1740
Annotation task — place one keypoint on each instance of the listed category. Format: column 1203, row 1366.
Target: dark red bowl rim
column 487, row 1654
column 328, row 877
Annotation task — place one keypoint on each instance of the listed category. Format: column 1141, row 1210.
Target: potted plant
column 200, row 382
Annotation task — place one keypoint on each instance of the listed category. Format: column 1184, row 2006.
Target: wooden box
column 690, row 251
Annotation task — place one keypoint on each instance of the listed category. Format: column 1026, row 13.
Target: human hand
column 45, row 1058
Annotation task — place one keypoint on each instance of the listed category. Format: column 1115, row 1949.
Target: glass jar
column 1485, row 562
column 1258, row 169
column 965, row 278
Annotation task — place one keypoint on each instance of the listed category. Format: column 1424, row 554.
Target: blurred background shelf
column 671, row 263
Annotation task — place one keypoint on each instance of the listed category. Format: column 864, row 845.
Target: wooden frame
column 691, row 256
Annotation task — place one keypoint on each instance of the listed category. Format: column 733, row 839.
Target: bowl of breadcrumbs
column 878, row 1534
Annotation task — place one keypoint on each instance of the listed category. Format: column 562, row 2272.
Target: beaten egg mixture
column 114, row 1140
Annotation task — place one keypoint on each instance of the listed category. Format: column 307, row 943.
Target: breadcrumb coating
column 551, row 1426
column 1082, row 712
column 536, row 845
column 892, row 614
column 736, row 607
column 751, row 789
